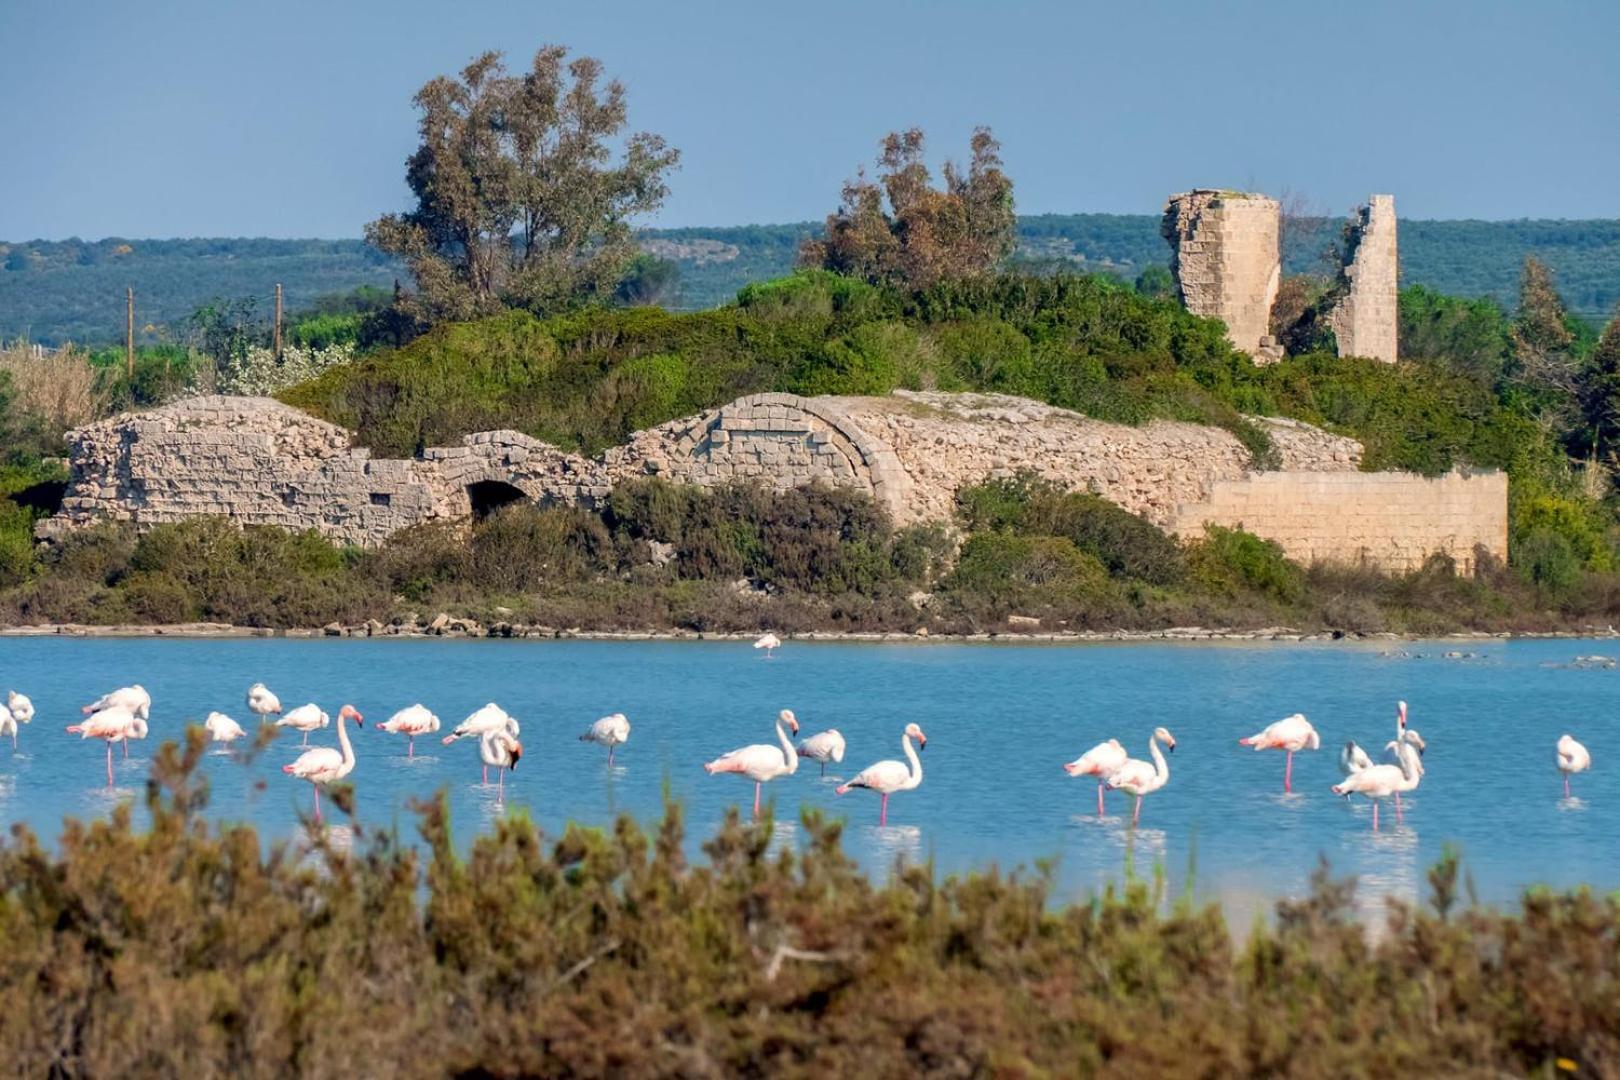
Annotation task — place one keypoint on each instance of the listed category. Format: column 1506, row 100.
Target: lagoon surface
column 1000, row 721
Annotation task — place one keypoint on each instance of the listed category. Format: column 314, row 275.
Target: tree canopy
column 924, row 235
column 520, row 200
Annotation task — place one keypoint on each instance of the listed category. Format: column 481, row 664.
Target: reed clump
column 185, row 949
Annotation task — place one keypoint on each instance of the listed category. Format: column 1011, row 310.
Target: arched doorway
column 488, row 496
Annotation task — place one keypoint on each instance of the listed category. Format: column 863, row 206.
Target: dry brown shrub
column 60, row 386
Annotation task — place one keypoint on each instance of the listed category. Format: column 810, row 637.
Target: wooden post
column 277, row 344
column 129, row 333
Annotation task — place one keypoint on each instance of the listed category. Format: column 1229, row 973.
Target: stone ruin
column 1227, row 263
column 259, row 462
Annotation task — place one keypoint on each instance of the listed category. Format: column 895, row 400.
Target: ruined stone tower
column 1364, row 319
column 1226, row 261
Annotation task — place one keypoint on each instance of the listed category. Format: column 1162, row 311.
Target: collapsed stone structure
column 259, row 462
column 1227, row 262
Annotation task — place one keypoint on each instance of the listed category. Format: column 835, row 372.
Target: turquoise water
column 1000, row 722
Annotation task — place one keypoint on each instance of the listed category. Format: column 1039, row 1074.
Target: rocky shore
column 444, row 625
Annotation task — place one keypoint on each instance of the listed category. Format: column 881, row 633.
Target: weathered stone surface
column 256, row 461
column 1367, row 315
column 1225, row 255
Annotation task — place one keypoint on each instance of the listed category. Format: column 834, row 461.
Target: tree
column 1600, row 388
column 923, row 235
column 1541, row 336
column 519, row 201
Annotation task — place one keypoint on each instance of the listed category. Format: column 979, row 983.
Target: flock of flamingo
column 122, row 716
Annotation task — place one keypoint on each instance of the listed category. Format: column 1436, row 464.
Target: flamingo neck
column 343, row 741
column 916, row 764
column 790, row 756
column 1161, row 767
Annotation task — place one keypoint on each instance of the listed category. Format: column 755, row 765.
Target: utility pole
column 277, row 345
column 129, row 333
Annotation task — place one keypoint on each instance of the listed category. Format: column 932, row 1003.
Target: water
column 1000, row 722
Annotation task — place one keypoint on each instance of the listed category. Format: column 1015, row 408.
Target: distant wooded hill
column 55, row 291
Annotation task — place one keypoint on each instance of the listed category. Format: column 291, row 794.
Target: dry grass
column 61, row 387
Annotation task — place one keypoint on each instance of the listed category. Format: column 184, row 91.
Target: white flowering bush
column 259, row 373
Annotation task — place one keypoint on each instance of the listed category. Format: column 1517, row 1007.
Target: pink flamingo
column 888, row 777
column 824, row 746
column 1379, row 782
column 1291, row 733
column 114, row 724
column 133, row 698
column 323, row 765
column 611, row 731
column 481, row 722
column 501, row 749
column 1572, row 758
column 761, row 762
column 413, row 720
column 1139, row 778
column 1101, row 761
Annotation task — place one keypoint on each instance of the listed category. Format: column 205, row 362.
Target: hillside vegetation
column 183, row 949
column 53, row 292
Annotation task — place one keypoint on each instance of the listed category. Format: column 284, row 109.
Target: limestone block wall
column 1366, row 318
column 1227, row 262
column 1393, row 521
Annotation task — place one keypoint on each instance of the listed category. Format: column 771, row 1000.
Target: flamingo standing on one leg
column 1101, row 761
column 769, row 642
column 762, row 762
column 413, row 720
column 22, row 712
column 480, row 723
column 1408, row 739
column 1291, row 733
column 222, row 729
column 612, row 731
column 133, row 698
column 1139, row 778
column 261, row 702
column 501, row 749
column 305, row 718
column 110, row 725
column 1572, row 758
column 1380, row 782
column 888, row 777
column 824, row 746
column 323, row 765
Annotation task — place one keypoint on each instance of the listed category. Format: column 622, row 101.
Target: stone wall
column 1225, row 257
column 261, row 463
column 1366, row 317
column 1393, row 521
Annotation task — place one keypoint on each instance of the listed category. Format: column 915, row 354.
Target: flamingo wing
column 824, row 746
column 1353, row 759
column 20, row 706
column 884, row 776
column 1134, row 776
column 1101, row 760
column 319, row 765
column 1375, row 781
column 760, row 761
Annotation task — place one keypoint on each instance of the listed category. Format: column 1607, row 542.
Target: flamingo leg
column 109, row 764
column 1398, row 810
column 126, row 749
column 823, row 764
column 610, row 756
column 486, row 775
column 317, row 789
column 1566, row 785
column 1137, row 815
column 501, row 794
column 1288, row 774
column 410, row 750
column 1375, row 815
column 306, row 739
column 757, row 786
column 883, row 810
column 1099, row 800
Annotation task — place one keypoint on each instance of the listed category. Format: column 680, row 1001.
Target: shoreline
column 447, row 627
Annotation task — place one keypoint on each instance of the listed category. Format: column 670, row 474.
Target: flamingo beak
column 517, row 754
column 922, row 742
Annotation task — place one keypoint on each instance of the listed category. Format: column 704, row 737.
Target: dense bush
column 187, row 950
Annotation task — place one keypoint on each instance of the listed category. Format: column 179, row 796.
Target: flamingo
column 824, row 746
column 888, row 777
column 1379, row 782
column 322, row 765
column 501, row 749
column 222, row 728
column 1353, row 759
column 762, row 761
column 305, row 718
column 111, row 724
column 1101, row 761
column 611, row 731
column 1291, row 733
column 1572, row 758
column 22, row 711
column 261, row 702
column 1139, row 778
column 769, row 642
column 482, row 721
column 134, row 698
column 1392, row 756
column 413, row 720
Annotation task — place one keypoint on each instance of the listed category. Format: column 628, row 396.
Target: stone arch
column 487, row 496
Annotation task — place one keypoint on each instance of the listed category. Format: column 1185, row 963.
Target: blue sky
column 293, row 118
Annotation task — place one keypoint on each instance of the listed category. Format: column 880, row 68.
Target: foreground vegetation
column 187, row 950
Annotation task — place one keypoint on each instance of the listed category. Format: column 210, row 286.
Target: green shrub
column 1010, row 572
column 1546, row 557
column 987, row 354
column 1228, row 562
